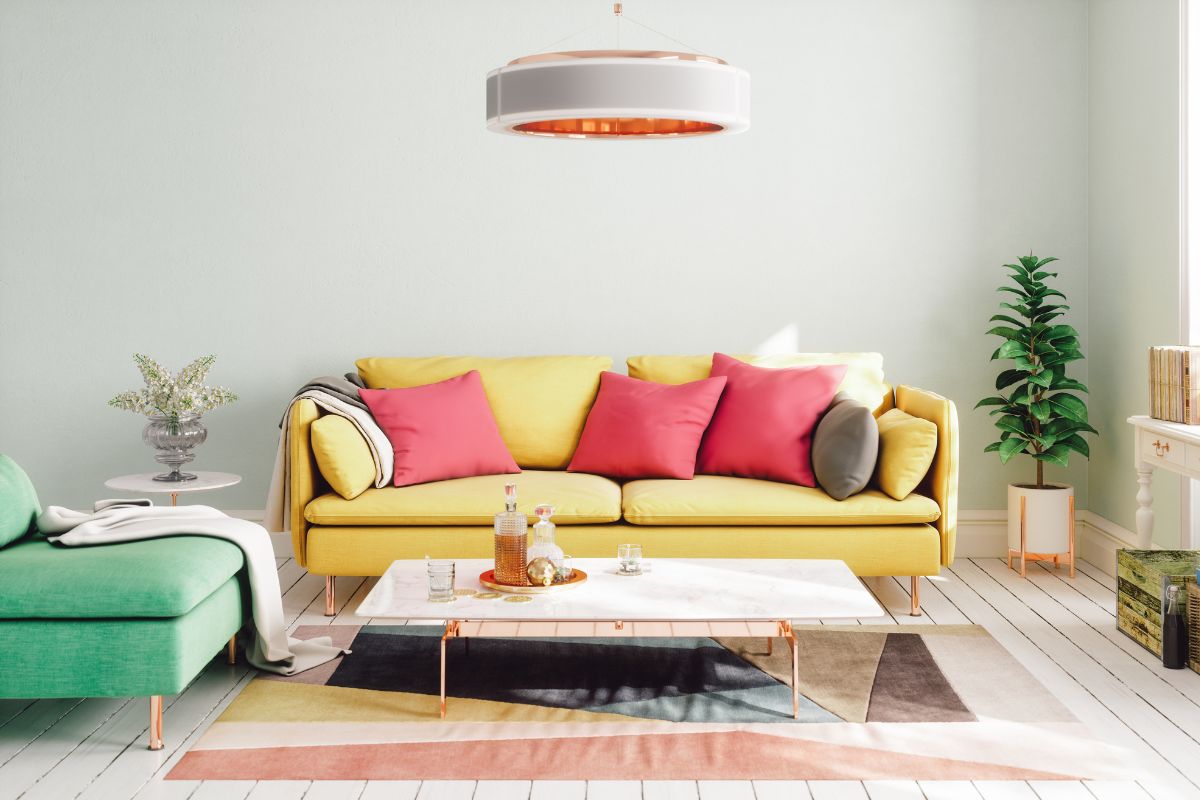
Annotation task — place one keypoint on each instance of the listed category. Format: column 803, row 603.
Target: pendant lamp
column 618, row 94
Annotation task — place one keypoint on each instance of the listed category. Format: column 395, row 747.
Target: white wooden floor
column 1063, row 631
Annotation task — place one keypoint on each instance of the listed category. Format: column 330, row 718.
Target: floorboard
column 1063, row 630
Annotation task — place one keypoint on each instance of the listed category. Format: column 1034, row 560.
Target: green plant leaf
column 1078, row 444
column 1020, row 309
column 1040, row 276
column 1011, row 422
column 991, row 401
column 1009, row 448
column 1045, row 261
column 1063, row 427
column 1007, row 333
column 993, row 447
column 1008, row 377
column 1063, row 382
column 1043, row 379
column 1040, row 410
column 1002, row 318
column 1062, row 358
column 1061, row 332
column 1021, row 293
column 1069, row 406
column 1058, row 454
column 1024, row 363
column 1012, row 349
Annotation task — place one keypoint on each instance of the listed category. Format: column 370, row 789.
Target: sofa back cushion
column 540, row 402
column 863, row 382
column 907, row 446
column 639, row 429
column 19, row 506
column 343, row 456
column 440, row 430
column 763, row 425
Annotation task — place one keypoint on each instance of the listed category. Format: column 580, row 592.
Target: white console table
column 1160, row 445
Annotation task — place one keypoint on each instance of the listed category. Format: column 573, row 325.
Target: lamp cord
column 685, row 45
column 619, row 17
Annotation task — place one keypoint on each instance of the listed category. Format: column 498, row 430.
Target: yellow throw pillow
column 907, row 445
column 540, row 402
column 863, row 382
column 342, row 456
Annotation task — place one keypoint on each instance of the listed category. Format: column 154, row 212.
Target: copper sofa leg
column 915, row 610
column 330, row 597
column 231, row 654
column 156, row 726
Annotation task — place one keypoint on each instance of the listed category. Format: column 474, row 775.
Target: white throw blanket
column 278, row 500
column 115, row 521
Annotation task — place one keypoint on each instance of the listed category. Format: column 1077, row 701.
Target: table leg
column 1144, row 518
column 174, row 498
column 785, row 630
column 451, row 632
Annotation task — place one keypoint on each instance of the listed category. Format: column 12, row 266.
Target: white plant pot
column 1048, row 524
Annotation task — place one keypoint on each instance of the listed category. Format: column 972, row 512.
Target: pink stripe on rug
column 701, row 756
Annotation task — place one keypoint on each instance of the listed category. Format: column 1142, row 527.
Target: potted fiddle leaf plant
column 1037, row 408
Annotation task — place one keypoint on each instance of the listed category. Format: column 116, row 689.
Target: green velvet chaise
column 135, row 619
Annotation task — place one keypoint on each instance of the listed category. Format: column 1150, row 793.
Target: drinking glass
column 629, row 559
column 441, row 581
column 565, row 570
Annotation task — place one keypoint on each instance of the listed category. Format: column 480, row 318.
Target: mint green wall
column 1133, row 291
column 294, row 184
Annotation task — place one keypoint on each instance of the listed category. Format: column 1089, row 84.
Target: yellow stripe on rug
column 276, row 701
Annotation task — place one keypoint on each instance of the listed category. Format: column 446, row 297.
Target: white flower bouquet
column 173, row 396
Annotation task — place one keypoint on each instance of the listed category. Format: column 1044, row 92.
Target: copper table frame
column 454, row 631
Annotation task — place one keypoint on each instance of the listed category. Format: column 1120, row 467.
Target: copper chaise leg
column 156, row 728
column 231, row 654
column 915, row 609
column 330, row 597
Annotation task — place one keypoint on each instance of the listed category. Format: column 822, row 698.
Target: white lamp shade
column 618, row 95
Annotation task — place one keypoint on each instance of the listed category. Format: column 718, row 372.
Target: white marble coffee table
column 676, row 590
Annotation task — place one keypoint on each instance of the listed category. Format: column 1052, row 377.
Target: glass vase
column 174, row 437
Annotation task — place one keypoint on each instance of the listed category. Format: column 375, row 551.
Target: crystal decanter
column 511, row 533
column 544, row 545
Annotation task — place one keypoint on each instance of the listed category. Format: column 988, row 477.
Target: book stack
column 1175, row 384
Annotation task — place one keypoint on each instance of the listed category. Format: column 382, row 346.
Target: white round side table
column 144, row 483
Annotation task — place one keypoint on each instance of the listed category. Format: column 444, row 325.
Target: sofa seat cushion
column 157, row 578
column 578, row 499
column 720, row 500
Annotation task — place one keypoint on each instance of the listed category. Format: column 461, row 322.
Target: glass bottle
column 1174, row 634
column 543, row 538
column 511, row 532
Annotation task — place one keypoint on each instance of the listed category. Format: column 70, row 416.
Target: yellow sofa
column 541, row 404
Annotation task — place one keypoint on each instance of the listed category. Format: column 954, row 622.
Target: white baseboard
column 981, row 534
column 984, row 534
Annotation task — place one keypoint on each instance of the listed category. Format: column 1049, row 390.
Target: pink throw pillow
column 440, row 431
column 639, row 429
column 764, row 423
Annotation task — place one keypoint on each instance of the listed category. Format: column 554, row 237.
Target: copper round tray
column 488, row 579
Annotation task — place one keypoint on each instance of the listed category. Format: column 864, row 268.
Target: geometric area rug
column 932, row 702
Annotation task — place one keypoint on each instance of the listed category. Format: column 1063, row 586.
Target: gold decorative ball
column 541, row 571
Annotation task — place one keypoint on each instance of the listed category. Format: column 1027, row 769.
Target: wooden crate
column 1193, row 618
column 1142, row 580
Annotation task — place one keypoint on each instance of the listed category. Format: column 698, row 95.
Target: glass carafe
column 511, row 539
column 544, row 545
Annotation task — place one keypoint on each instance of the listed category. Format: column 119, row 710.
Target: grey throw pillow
column 845, row 446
